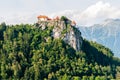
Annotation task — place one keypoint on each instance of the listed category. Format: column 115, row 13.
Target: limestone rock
column 64, row 30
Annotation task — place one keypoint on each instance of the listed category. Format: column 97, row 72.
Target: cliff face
column 65, row 31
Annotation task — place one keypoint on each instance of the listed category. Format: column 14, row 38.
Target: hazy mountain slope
column 106, row 33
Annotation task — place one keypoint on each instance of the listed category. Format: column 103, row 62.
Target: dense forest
column 29, row 53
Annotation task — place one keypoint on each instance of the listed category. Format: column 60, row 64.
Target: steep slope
column 107, row 33
column 35, row 53
column 63, row 29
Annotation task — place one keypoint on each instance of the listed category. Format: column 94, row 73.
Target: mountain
column 106, row 33
column 53, row 50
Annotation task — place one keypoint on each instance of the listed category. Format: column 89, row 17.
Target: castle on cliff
column 46, row 18
column 63, row 28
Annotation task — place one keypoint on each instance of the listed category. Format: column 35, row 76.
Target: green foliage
column 96, row 52
column 2, row 29
column 66, row 20
column 76, row 78
column 28, row 53
column 63, row 18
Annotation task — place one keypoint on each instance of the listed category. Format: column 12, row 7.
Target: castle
column 46, row 18
column 63, row 28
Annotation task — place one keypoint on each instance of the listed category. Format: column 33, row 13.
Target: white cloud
column 93, row 14
column 97, row 12
column 18, row 18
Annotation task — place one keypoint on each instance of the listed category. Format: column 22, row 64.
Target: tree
column 85, row 78
column 65, row 77
column 2, row 29
column 76, row 78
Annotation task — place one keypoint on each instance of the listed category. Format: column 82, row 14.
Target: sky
column 84, row 12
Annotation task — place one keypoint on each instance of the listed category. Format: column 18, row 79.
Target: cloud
column 18, row 18
column 99, row 11
column 95, row 13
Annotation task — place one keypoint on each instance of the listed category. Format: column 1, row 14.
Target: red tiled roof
column 42, row 16
column 57, row 18
column 49, row 18
column 74, row 22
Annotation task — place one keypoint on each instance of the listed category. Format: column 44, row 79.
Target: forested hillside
column 30, row 53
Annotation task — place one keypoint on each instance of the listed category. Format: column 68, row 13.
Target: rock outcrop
column 65, row 30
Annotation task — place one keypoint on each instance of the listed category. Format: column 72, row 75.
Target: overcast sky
column 84, row 12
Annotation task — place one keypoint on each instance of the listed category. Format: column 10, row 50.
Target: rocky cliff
column 65, row 30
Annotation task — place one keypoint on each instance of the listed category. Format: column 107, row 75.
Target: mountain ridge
column 106, row 33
